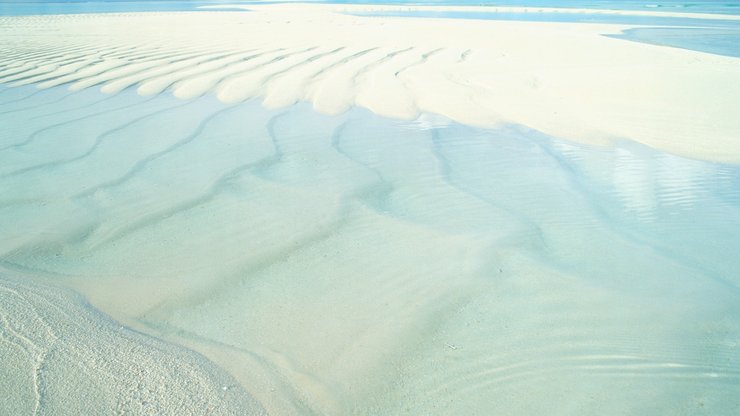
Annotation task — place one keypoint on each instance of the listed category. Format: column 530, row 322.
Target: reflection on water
column 652, row 185
column 322, row 259
column 561, row 16
column 685, row 205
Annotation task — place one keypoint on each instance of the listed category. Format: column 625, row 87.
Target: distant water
column 322, row 259
column 25, row 7
column 719, row 40
column 718, row 36
column 702, row 6
column 20, row 8
column 565, row 17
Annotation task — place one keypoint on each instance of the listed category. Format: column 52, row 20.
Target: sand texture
column 359, row 265
column 482, row 218
column 566, row 80
column 59, row 357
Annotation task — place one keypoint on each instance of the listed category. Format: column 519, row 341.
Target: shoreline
column 342, row 8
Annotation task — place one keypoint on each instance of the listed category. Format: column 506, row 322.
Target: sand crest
column 564, row 79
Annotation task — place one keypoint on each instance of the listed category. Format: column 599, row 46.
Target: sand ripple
column 566, row 80
column 356, row 264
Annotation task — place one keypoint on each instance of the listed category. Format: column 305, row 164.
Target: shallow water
column 704, row 6
column 719, row 41
column 721, row 37
column 360, row 265
column 563, row 17
column 33, row 7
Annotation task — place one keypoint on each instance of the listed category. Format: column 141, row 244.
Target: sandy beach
column 293, row 210
column 565, row 80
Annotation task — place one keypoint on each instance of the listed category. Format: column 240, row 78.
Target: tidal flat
column 305, row 225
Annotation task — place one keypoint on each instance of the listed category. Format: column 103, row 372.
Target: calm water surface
column 322, row 259
column 721, row 37
column 472, row 263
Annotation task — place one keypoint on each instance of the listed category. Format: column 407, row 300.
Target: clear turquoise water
column 21, row 7
column 719, row 41
column 476, row 271
column 472, row 263
column 721, row 37
column 565, row 17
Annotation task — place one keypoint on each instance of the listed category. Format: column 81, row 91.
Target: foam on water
column 354, row 264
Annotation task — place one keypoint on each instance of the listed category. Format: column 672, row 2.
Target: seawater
column 354, row 264
column 25, row 7
column 721, row 37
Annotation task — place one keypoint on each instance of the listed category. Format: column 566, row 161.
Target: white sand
column 61, row 357
column 563, row 79
column 354, row 8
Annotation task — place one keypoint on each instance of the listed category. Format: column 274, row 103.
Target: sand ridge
column 564, row 79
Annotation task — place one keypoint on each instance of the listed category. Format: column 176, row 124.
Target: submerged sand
column 361, row 265
column 566, row 80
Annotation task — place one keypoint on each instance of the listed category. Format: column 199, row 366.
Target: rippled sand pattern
column 566, row 80
column 358, row 265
